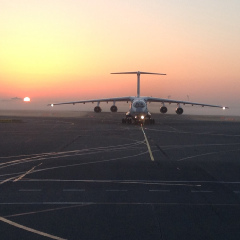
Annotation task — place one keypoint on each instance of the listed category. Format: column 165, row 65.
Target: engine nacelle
column 113, row 108
column 163, row 109
column 97, row 109
column 179, row 110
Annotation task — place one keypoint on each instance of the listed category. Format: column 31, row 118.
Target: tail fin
column 138, row 78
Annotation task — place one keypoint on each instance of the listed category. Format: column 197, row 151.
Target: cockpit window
column 139, row 104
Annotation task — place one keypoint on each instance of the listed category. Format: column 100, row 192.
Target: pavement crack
column 71, row 142
column 162, row 151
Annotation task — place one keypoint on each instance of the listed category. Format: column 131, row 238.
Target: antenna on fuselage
column 138, row 78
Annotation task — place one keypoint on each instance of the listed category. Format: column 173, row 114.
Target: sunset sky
column 64, row 50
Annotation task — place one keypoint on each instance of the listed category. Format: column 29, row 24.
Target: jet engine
column 97, row 109
column 179, row 110
column 113, row 108
column 163, row 109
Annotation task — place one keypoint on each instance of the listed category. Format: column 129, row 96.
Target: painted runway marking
column 23, row 175
column 167, row 147
column 7, row 180
column 158, row 190
column 30, row 229
column 205, row 154
column 73, row 190
column 193, row 191
column 143, row 182
column 121, row 203
column 116, row 190
column 79, row 164
column 46, row 210
column 30, row 190
column 195, row 133
column 237, row 192
column 148, row 146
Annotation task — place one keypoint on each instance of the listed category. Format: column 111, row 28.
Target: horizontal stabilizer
column 138, row 72
column 138, row 78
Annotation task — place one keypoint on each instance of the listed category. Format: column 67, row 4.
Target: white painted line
column 148, row 146
column 23, row 175
column 120, row 203
column 30, row 190
column 80, row 164
column 30, row 229
column 116, row 190
column 73, row 190
column 146, row 182
column 199, row 155
column 201, row 191
column 236, row 192
column 158, row 190
column 188, row 183
column 7, row 180
column 46, row 210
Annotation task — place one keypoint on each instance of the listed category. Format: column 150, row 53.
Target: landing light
column 142, row 117
column 224, row 108
column 51, row 105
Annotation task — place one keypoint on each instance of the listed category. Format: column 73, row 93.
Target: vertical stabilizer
column 138, row 78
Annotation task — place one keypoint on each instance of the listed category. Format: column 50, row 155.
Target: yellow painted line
column 30, row 229
column 6, row 180
column 148, row 146
column 22, row 176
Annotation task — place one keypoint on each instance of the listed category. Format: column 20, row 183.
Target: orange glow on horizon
column 56, row 49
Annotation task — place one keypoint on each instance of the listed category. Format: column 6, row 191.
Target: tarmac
column 81, row 175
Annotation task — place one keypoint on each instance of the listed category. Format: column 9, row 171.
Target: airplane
column 138, row 112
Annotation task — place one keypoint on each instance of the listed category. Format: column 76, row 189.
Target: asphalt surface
column 91, row 177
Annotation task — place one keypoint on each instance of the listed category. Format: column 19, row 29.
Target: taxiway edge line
column 30, row 229
column 148, row 146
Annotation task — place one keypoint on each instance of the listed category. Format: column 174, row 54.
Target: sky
column 65, row 50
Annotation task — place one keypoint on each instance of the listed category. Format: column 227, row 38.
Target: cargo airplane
column 138, row 111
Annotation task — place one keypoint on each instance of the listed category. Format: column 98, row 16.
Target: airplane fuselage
column 138, row 110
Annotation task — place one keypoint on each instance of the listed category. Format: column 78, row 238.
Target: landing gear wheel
column 123, row 120
column 129, row 120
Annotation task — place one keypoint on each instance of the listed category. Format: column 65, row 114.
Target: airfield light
column 26, row 99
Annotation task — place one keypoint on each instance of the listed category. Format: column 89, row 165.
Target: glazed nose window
column 139, row 105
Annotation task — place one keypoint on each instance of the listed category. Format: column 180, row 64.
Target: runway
column 89, row 176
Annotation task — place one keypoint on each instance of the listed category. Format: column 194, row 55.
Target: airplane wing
column 118, row 99
column 163, row 100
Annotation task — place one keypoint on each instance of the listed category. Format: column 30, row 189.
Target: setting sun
column 26, row 99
